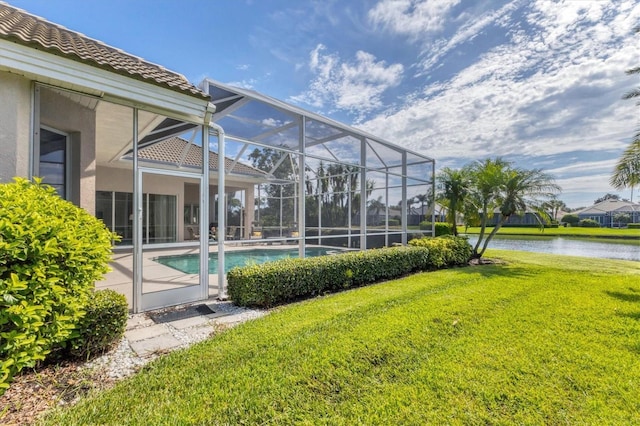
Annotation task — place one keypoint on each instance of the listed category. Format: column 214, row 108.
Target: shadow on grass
column 625, row 297
column 496, row 270
column 632, row 315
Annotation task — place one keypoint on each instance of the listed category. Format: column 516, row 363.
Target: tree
column 571, row 219
column 520, row 190
column 280, row 195
column 627, row 171
column 375, row 207
column 454, row 187
column 487, row 175
column 554, row 206
column 607, row 197
column 622, row 218
column 422, row 199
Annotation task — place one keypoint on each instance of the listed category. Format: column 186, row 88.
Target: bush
column 442, row 228
column 51, row 253
column 445, row 251
column 393, row 222
column 633, row 225
column 101, row 327
column 589, row 223
column 571, row 219
column 531, row 225
column 273, row 283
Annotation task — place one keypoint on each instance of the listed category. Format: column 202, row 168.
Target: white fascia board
column 56, row 70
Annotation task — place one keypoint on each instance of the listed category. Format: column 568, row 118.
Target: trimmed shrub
column 589, row 223
column 393, row 222
column 571, row 219
column 530, row 225
column 442, row 228
column 51, row 253
column 273, row 283
column 633, row 225
column 101, row 327
column 445, row 251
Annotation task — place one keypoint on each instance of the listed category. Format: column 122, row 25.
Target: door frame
column 164, row 298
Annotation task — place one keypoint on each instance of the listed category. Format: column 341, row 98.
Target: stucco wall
column 61, row 113
column 15, row 126
column 121, row 180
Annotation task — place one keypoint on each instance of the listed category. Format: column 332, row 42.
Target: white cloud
column 468, row 31
column 246, row 84
column 592, row 166
column 526, row 97
column 412, row 17
column 355, row 86
column 588, row 184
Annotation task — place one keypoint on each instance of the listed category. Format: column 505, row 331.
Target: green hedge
column 589, row 223
column 445, row 251
column 633, row 225
column 282, row 281
column 571, row 219
column 442, row 228
column 273, row 283
column 530, row 225
column 51, row 253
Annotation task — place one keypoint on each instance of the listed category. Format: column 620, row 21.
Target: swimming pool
column 190, row 263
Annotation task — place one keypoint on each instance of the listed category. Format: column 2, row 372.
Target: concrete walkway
column 157, row 332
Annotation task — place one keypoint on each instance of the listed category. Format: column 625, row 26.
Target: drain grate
column 183, row 313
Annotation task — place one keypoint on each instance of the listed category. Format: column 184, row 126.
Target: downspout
column 222, row 226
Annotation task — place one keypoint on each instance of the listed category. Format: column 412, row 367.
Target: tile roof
column 21, row 27
column 178, row 151
column 609, row 206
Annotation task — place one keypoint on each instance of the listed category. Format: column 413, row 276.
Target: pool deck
column 158, row 277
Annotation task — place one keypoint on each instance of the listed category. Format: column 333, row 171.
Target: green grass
column 562, row 232
column 540, row 340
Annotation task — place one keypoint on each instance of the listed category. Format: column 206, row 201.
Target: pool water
column 190, row 263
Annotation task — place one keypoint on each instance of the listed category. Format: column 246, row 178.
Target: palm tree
column 454, row 187
column 627, row 171
column 521, row 190
column 422, row 199
column 554, row 206
column 488, row 175
column 375, row 207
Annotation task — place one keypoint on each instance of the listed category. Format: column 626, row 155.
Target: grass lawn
column 541, row 339
column 562, row 232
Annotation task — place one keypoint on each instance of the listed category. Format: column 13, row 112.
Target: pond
column 568, row 246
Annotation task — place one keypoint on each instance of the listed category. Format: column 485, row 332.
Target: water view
column 566, row 246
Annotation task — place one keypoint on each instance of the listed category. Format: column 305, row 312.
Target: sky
column 536, row 82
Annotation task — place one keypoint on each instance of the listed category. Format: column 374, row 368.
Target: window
column 53, row 161
column 159, row 221
column 191, row 214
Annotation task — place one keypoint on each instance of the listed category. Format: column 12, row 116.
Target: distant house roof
column 607, row 206
column 180, row 152
column 23, row 28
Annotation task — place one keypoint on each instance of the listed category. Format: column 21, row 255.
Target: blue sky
column 537, row 82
